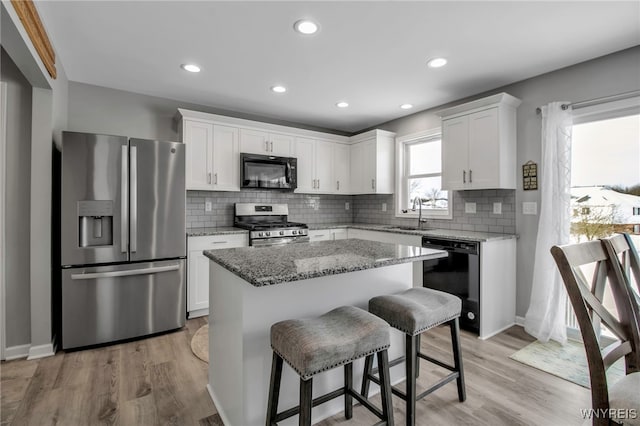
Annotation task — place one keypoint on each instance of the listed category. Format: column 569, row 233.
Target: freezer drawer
column 109, row 303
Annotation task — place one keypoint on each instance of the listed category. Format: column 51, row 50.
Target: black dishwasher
column 458, row 273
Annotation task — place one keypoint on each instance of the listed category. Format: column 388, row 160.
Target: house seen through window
column 420, row 178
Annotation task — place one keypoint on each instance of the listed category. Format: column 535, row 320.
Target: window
column 419, row 177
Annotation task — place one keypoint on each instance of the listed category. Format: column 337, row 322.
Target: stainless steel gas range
column 268, row 224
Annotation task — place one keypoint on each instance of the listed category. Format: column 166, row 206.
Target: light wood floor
column 159, row 381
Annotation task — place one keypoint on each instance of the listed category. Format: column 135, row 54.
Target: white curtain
column 545, row 318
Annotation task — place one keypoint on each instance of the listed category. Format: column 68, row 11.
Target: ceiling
column 371, row 54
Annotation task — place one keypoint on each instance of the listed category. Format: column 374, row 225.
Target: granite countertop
column 216, row 230
column 435, row 233
column 262, row 266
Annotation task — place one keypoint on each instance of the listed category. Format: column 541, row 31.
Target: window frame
column 402, row 176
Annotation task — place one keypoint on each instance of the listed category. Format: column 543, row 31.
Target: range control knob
column 267, row 234
column 281, row 232
column 259, row 234
column 294, row 232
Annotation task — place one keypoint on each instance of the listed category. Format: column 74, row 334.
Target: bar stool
column 313, row 345
column 414, row 312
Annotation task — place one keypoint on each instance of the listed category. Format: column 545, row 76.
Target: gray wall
column 18, row 202
column 96, row 109
column 605, row 76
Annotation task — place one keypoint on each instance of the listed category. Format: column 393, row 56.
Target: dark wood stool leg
column 410, row 358
column 385, row 387
column 348, row 388
column 306, row 399
column 274, row 389
column 417, row 357
column 457, row 358
column 368, row 368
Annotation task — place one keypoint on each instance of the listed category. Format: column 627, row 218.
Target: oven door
column 267, row 172
column 267, row 242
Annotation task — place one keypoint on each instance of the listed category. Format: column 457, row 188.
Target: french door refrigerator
column 123, row 238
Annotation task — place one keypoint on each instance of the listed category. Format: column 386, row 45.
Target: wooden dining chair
column 621, row 250
column 610, row 403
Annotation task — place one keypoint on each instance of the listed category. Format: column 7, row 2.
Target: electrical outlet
column 208, row 206
column 384, row 207
column 469, row 207
column 497, row 208
column 530, row 207
column 346, row 206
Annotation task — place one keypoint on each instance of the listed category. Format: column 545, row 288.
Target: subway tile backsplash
column 319, row 209
column 306, row 208
column 368, row 209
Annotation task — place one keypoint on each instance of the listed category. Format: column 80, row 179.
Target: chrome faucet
column 413, row 208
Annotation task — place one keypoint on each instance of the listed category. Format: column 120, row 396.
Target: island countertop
column 261, row 266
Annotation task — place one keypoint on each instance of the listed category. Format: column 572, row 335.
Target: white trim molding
column 16, row 352
column 3, row 180
column 41, row 351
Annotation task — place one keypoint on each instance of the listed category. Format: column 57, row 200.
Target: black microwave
column 268, row 172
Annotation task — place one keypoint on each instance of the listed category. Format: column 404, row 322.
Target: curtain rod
column 583, row 104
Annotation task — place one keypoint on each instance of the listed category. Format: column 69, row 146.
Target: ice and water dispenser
column 95, row 220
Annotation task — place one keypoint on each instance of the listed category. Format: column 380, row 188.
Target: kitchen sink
column 406, row 228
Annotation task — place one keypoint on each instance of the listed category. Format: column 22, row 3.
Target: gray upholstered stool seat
column 313, row 345
column 417, row 309
column 414, row 311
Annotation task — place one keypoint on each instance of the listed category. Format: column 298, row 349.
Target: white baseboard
column 520, row 321
column 488, row 336
column 41, row 351
column 16, row 352
column 198, row 313
column 223, row 417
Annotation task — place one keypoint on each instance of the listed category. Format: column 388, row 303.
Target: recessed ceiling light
column 190, row 67
column 406, row 106
column 342, row 104
column 437, row 62
column 278, row 89
column 304, row 26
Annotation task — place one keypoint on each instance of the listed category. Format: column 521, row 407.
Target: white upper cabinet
column 327, row 163
column 341, row 172
column 372, row 163
column 479, row 144
column 212, row 156
column 259, row 142
column 321, row 166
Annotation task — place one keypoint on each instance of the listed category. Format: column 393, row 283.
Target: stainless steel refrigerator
column 123, row 238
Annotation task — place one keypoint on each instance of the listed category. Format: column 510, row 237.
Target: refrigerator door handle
column 134, row 199
column 124, row 204
column 145, row 271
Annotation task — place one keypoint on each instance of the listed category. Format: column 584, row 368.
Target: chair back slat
column 634, row 262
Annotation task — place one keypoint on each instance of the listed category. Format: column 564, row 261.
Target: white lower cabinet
column 328, row 234
column 198, row 268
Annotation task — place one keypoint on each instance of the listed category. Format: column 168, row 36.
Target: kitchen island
column 251, row 288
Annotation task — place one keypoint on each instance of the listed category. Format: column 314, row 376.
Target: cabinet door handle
column 271, row 146
column 464, row 176
column 318, row 184
column 373, row 184
column 219, row 242
column 266, row 146
column 338, row 185
column 470, row 176
column 215, row 178
column 209, row 178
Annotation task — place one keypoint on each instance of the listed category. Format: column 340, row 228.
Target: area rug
column 568, row 362
column 200, row 343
